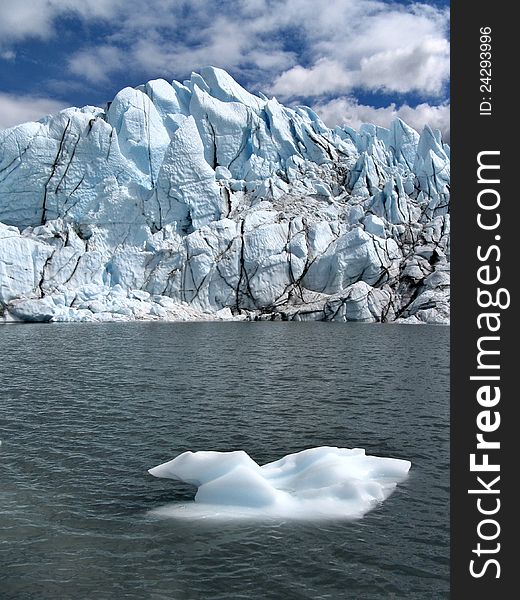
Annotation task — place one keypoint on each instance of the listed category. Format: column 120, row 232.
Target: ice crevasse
column 318, row 483
column 201, row 200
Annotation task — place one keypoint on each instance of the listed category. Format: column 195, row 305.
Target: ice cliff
column 323, row 482
column 201, row 200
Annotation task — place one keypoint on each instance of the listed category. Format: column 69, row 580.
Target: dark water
column 86, row 409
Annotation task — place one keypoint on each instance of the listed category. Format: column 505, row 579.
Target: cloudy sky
column 353, row 61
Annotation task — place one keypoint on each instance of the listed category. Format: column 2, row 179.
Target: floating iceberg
column 323, row 482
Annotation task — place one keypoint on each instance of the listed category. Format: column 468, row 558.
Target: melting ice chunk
column 323, row 482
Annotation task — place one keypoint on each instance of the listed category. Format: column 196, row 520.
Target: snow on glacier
column 202, row 194
column 318, row 483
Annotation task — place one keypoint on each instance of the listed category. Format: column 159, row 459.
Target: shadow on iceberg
column 318, row 483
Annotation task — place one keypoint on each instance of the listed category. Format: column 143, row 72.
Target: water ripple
column 86, row 409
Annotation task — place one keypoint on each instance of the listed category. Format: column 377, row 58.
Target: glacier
column 318, row 483
column 201, row 200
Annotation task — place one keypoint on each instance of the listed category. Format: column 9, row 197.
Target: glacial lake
column 86, row 409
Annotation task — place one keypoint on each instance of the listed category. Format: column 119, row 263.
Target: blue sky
column 351, row 60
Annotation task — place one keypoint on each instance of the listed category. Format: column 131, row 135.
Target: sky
column 353, row 61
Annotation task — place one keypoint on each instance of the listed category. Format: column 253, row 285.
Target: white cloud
column 423, row 67
column 382, row 49
column 95, row 65
column 342, row 44
column 20, row 109
column 347, row 111
column 324, row 77
column 224, row 43
column 272, row 60
column 21, row 19
column 378, row 46
column 8, row 55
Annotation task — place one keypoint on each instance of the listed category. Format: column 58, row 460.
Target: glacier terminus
column 200, row 200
